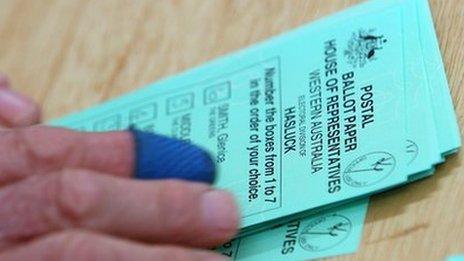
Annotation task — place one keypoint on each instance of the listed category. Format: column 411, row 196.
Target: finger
column 16, row 110
column 4, row 83
column 79, row 245
column 41, row 150
column 174, row 212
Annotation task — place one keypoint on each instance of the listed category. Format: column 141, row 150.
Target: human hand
column 67, row 195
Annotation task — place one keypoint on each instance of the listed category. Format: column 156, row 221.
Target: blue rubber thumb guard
column 161, row 157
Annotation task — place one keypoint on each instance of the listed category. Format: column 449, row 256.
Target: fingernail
column 16, row 108
column 220, row 211
column 161, row 157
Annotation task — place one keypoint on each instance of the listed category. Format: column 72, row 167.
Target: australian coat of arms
column 363, row 47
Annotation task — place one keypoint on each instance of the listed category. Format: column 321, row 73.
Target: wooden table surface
column 70, row 54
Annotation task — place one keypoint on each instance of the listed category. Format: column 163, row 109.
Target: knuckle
column 13, row 142
column 24, row 153
column 77, row 195
column 41, row 155
column 27, row 139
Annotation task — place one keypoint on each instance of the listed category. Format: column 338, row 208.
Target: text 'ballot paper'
column 295, row 123
column 303, row 124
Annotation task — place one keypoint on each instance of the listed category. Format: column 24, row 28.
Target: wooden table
column 70, row 54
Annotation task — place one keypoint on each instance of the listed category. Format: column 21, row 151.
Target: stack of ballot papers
column 305, row 126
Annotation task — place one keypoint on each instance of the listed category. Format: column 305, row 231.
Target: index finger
column 42, row 150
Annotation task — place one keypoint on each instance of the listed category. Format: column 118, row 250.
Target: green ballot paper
column 305, row 120
column 334, row 232
column 305, row 124
column 455, row 258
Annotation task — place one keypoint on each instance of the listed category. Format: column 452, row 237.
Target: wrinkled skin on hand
column 66, row 195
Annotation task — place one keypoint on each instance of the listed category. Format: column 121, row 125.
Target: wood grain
column 70, row 54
